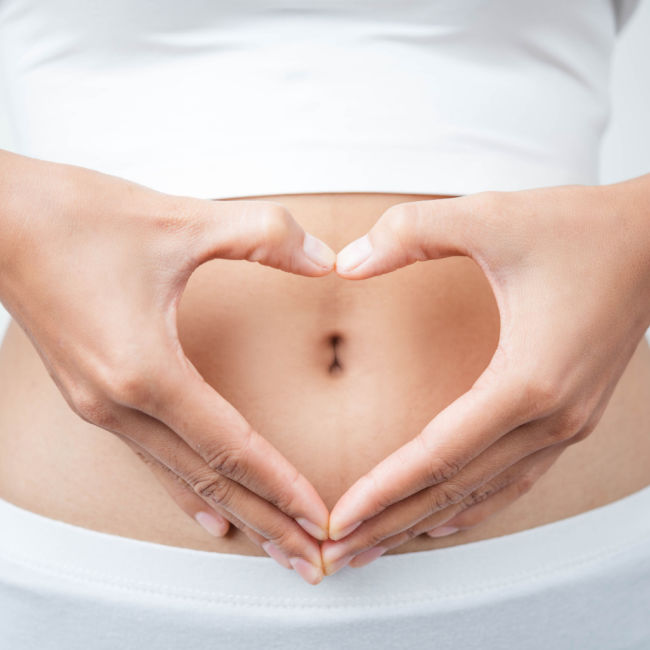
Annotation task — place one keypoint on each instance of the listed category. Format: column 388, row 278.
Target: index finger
column 459, row 433
column 213, row 428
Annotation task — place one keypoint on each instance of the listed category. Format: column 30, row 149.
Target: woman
column 319, row 410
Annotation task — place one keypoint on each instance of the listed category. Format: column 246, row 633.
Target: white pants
column 578, row 583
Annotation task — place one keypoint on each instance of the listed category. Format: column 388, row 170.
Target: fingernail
column 318, row 252
column 354, row 254
column 368, row 556
column 333, row 553
column 276, row 554
column 212, row 524
column 442, row 531
column 337, row 565
column 306, row 570
column 345, row 531
column 312, row 528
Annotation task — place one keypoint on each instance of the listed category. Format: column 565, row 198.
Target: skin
column 581, row 256
column 162, row 223
column 75, row 230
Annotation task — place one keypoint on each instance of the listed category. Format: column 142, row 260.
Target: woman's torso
column 336, row 374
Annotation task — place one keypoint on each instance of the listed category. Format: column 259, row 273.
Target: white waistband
column 543, row 553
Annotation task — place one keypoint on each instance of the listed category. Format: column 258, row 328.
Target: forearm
column 26, row 186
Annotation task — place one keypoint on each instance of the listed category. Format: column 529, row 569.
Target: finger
column 484, row 503
column 458, row 434
column 225, row 495
column 514, row 480
column 406, row 233
column 407, row 514
column 495, row 495
column 182, row 494
column 181, row 399
column 489, row 499
column 258, row 231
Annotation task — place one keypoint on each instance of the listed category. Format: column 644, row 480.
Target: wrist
column 628, row 204
column 29, row 189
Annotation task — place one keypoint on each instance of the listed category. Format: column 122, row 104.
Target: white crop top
column 221, row 99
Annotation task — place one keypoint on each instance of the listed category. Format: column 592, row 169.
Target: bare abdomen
column 336, row 374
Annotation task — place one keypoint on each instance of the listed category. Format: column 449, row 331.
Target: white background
column 626, row 147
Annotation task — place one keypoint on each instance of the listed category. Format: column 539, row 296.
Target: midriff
column 335, row 373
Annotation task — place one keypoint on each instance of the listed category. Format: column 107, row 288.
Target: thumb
column 258, row 231
column 406, row 233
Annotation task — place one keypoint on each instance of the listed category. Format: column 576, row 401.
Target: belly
column 336, row 374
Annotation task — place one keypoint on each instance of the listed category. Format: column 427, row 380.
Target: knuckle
column 215, row 488
column 411, row 532
column 524, row 483
column 228, row 459
column 540, row 397
column 557, row 434
column 275, row 223
column 94, row 408
column 481, row 494
column 282, row 536
column 569, row 422
column 398, row 221
column 444, row 495
column 372, row 538
column 582, row 433
column 442, row 470
column 129, row 382
column 131, row 388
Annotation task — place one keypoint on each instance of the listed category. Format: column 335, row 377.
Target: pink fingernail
column 332, row 554
column 368, row 556
column 345, row 531
column 442, row 531
column 338, row 565
column 306, row 570
column 275, row 552
column 354, row 254
column 318, row 251
column 313, row 529
column 214, row 526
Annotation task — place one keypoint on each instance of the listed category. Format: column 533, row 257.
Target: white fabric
column 214, row 99
column 581, row 582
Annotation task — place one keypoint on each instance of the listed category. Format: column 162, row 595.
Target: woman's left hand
column 570, row 270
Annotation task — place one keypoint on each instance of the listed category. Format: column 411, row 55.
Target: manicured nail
column 312, row 528
column 306, row 570
column 442, row 531
column 345, row 531
column 275, row 552
column 354, row 254
column 212, row 524
column 332, row 554
column 337, row 565
column 318, row 252
column 368, row 556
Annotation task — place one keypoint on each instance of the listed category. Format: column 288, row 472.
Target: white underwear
column 579, row 583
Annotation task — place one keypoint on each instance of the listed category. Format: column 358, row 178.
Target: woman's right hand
column 92, row 267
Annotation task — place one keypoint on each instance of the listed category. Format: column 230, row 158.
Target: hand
column 93, row 268
column 570, row 270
